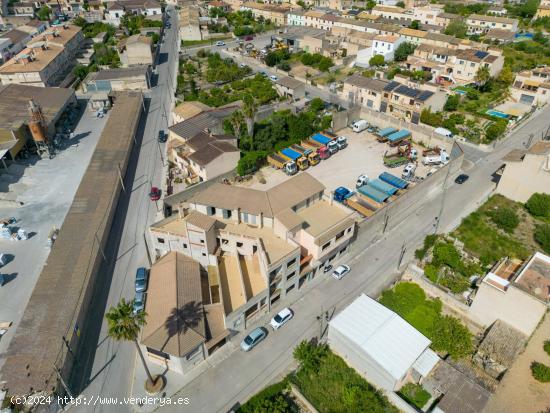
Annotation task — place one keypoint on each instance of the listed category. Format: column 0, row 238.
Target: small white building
column 296, row 18
column 380, row 345
column 385, row 45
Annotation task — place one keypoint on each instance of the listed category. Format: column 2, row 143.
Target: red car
column 154, row 194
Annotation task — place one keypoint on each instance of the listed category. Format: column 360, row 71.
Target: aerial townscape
column 275, row 206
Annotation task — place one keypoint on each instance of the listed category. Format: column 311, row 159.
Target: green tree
column 237, row 120
column 309, row 354
column 431, row 118
column 538, row 205
column 457, row 28
column 415, row 24
column 451, row 336
column 377, row 60
column 540, row 372
column 316, row 105
column 249, row 111
column 504, row 218
column 80, row 71
column 482, row 75
column 44, row 13
column 124, row 325
column 403, row 51
column 495, row 130
column 542, row 236
column 370, row 4
column 506, row 75
column 400, row 4
column 452, row 103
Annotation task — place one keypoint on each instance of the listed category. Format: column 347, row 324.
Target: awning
column 530, row 82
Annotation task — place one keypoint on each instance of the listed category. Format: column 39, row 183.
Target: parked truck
column 357, row 203
column 382, row 134
column 393, row 180
column 395, row 138
column 436, row 159
column 278, row 162
column 328, row 142
column 296, row 157
column 312, row 156
column 373, row 193
column 321, row 150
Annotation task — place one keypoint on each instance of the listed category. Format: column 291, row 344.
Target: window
column 292, row 274
column 158, row 353
column 239, row 244
column 348, row 230
column 160, row 240
column 193, row 353
column 202, row 241
column 184, row 245
column 204, row 254
column 289, row 289
column 324, row 247
column 472, row 64
column 245, row 217
column 340, row 235
column 291, row 262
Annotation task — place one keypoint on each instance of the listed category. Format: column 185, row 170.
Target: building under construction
column 51, row 336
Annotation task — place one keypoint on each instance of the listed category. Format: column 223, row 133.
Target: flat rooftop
column 535, row 277
column 275, row 248
column 233, row 293
column 322, row 217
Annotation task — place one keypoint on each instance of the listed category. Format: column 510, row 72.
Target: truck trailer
column 330, row 143
column 297, row 157
column 383, row 186
column 350, row 198
column 393, row 180
column 278, row 162
column 311, row 155
column 321, row 149
column 395, row 138
column 373, row 193
column 382, row 134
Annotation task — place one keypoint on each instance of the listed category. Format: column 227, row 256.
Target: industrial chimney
column 37, row 124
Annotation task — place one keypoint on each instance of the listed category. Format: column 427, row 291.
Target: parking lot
column 363, row 155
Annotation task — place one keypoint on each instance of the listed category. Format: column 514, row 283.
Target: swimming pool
column 497, row 114
column 460, row 91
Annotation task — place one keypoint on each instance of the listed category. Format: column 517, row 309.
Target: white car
column 220, row 43
column 281, row 318
column 341, row 271
column 273, row 78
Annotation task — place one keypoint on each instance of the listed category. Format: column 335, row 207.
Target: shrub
column 455, row 282
column 415, row 394
column 505, row 218
column 446, row 253
column 538, row 205
column 310, row 354
column 452, row 103
column 429, row 242
column 542, row 236
column 546, row 347
column 452, row 336
column 431, row 272
column 249, row 162
column 540, row 372
column 377, row 60
column 270, row 399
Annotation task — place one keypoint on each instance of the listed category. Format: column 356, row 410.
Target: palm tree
column 482, row 75
column 124, row 325
column 237, row 119
column 249, row 111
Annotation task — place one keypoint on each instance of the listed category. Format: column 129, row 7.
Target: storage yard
column 366, row 154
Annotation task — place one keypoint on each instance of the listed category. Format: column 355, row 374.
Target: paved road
column 373, row 267
column 111, row 371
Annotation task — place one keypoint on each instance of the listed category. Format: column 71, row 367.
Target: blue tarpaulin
column 321, row 138
column 398, row 136
column 383, row 186
column 373, row 193
column 386, row 131
column 393, row 180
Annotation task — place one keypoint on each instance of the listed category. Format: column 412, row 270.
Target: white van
column 359, row 125
column 444, row 132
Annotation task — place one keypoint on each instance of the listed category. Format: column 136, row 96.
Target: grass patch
column 273, row 398
column 187, row 43
column 485, row 240
column 540, row 372
column 447, row 333
column 333, row 387
column 415, row 394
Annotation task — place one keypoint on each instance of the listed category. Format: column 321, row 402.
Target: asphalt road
column 110, row 373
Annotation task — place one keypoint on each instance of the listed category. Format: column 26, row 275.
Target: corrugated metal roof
column 426, row 362
column 381, row 334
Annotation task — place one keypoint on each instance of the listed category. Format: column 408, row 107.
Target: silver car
column 341, row 271
column 253, row 338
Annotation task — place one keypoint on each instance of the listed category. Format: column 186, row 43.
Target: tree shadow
column 183, row 319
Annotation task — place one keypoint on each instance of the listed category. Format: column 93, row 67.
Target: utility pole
column 401, row 255
column 120, row 177
column 63, row 382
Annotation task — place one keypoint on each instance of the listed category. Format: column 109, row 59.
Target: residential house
column 95, row 12
column 257, row 246
column 115, row 80
column 500, row 36
column 183, row 323
column 412, row 36
column 47, row 58
column 135, row 50
column 117, row 9
column 363, row 91
column 407, row 103
column 478, row 24
column 189, row 23
column 23, row 8
column 385, row 45
column 532, row 87
column 391, row 12
column 468, row 62
column 380, row 345
column 427, row 14
column 497, row 11
column 319, row 20
column 12, row 42
column 274, row 13
column 514, row 292
column 526, row 172
column 205, row 156
column 290, row 88
column 296, row 18
column 444, row 19
column 186, row 110
column 219, row 5
column 33, row 27
column 543, row 10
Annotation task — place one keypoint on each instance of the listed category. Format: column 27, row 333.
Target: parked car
column 408, row 171
column 362, row 180
column 163, row 137
column 154, row 195
column 139, row 302
column 273, row 78
column 220, row 43
column 281, row 318
column 253, row 338
column 460, row 179
column 142, row 279
column 341, row 271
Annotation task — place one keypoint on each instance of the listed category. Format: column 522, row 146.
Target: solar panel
column 424, row 95
column 407, row 91
column 392, row 85
column 481, row 54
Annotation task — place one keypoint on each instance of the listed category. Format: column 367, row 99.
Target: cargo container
column 322, row 139
column 278, row 162
column 393, row 180
column 373, row 193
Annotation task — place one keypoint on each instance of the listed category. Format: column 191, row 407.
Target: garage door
column 528, row 100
